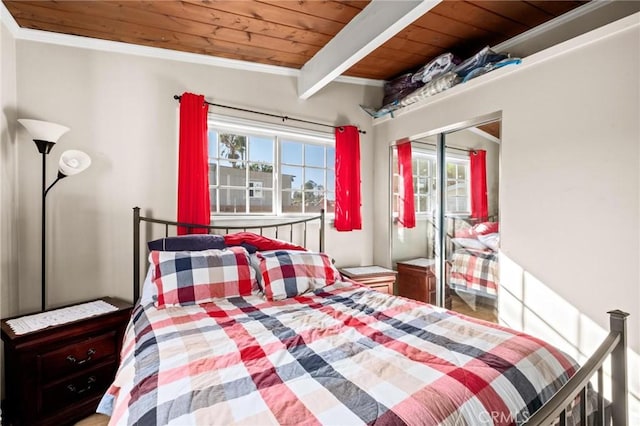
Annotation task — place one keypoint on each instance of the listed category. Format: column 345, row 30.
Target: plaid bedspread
column 341, row 356
column 475, row 272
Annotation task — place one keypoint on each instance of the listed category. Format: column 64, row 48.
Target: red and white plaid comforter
column 341, row 356
column 475, row 272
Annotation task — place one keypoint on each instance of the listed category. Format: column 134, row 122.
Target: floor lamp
column 45, row 135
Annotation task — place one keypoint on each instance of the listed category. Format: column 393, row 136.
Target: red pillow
column 260, row 242
column 486, row 228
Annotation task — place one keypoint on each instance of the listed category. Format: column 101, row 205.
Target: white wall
column 570, row 178
column 121, row 111
column 8, row 243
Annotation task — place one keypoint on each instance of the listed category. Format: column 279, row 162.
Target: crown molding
column 80, row 42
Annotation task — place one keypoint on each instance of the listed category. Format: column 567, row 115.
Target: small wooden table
column 376, row 277
column 417, row 281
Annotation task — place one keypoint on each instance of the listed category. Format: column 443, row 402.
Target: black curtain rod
column 447, row 147
column 283, row 117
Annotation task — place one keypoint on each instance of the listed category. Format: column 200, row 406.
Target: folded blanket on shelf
column 435, row 68
column 438, row 85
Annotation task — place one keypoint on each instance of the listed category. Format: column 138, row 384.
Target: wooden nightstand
column 376, row 277
column 417, row 281
column 58, row 374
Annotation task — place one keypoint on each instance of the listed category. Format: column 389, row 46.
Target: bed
column 473, row 270
column 317, row 348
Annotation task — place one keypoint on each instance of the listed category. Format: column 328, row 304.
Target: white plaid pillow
column 289, row 273
column 194, row 277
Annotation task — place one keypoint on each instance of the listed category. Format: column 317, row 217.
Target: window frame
column 431, row 155
column 279, row 133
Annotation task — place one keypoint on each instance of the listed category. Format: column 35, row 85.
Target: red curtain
column 478, row 163
column 348, row 216
column 406, row 206
column 193, row 164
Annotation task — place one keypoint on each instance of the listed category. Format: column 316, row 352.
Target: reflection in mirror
column 471, row 272
column 413, row 249
column 471, row 220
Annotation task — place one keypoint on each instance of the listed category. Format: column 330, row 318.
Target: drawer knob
column 73, row 360
column 90, row 381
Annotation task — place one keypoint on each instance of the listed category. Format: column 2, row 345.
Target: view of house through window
column 258, row 171
column 424, row 183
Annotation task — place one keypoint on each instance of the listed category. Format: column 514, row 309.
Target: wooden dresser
column 58, row 374
column 417, row 281
column 376, row 277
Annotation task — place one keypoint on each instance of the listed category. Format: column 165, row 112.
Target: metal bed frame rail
column 290, row 224
column 614, row 345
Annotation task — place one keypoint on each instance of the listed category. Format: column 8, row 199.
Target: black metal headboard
column 218, row 229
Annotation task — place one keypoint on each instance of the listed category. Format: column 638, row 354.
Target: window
column 263, row 169
column 425, row 180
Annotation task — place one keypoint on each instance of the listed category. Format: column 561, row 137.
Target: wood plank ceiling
column 285, row 32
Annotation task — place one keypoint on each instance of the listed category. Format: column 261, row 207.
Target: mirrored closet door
column 450, row 256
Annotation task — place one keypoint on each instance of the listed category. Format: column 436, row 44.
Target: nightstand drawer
column 78, row 356
column 375, row 277
column 382, row 287
column 78, row 389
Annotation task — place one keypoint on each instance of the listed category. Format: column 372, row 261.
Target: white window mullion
column 277, row 184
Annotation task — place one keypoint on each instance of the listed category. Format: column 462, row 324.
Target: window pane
column 291, row 202
column 461, row 172
column 291, row 177
column 423, row 167
column 232, row 200
column 331, row 158
column 314, row 179
column 291, row 152
column 261, row 149
column 331, row 181
column 213, row 144
column 260, row 201
column 451, row 204
column 331, row 202
column 233, row 148
column 232, row 176
column 314, row 155
column 313, row 201
column 422, row 204
column 451, row 170
column 262, row 173
column 422, row 187
column 212, row 174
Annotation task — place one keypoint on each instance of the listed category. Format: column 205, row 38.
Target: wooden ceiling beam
column 376, row 24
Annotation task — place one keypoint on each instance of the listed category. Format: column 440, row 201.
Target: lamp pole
column 43, row 248
column 44, row 147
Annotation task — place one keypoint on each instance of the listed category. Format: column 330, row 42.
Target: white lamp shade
column 43, row 130
column 73, row 162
